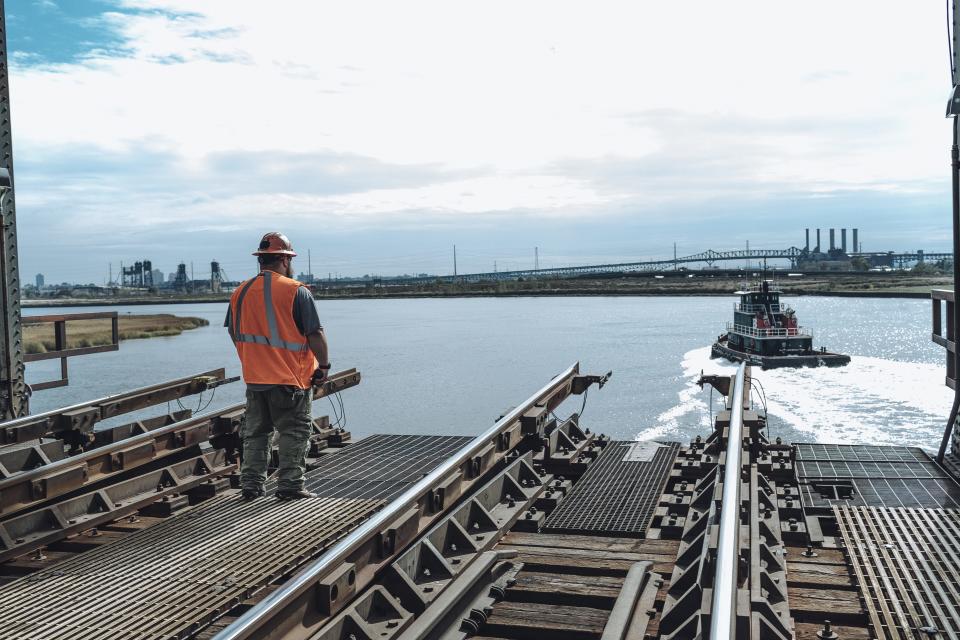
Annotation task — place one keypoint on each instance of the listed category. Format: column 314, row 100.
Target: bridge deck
column 178, row 575
column 171, row 579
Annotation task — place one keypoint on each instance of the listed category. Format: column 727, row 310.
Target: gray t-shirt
column 304, row 315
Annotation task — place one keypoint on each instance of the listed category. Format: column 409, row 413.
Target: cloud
column 218, row 116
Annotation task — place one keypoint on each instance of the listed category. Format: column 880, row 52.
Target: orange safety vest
column 271, row 348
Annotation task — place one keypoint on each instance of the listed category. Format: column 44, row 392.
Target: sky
column 380, row 134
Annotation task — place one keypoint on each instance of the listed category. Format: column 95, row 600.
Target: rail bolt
column 827, row 633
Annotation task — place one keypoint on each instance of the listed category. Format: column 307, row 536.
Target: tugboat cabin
column 763, row 326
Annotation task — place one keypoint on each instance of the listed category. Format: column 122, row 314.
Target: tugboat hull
column 815, row 359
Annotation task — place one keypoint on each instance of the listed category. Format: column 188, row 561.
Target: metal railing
column 773, row 332
column 60, row 348
column 753, row 308
column 945, row 339
column 723, row 609
column 84, row 416
column 756, row 287
column 258, row 619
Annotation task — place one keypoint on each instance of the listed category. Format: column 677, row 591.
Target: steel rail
column 258, row 618
column 30, row 531
column 84, row 415
column 29, row 488
column 723, row 607
column 625, row 606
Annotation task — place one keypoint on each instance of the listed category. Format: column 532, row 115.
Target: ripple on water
column 871, row 400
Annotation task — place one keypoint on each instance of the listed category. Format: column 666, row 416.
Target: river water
column 451, row 366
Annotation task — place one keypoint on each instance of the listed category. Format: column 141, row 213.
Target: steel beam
column 34, row 487
column 25, row 490
column 16, row 459
column 28, row 532
column 439, row 571
column 82, row 417
column 13, row 389
column 298, row 607
column 116, row 434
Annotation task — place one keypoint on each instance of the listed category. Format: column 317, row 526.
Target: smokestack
column 833, row 241
column 818, row 240
column 808, row 241
column 843, row 240
column 856, row 247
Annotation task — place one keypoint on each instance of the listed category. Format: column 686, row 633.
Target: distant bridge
column 795, row 255
column 709, row 257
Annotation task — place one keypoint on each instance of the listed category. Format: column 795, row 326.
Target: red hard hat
column 275, row 243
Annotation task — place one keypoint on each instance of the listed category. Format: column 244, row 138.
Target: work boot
column 294, row 494
column 251, row 493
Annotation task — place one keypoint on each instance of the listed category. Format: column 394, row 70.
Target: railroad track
column 535, row 528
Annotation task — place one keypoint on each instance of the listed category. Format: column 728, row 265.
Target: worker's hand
column 319, row 377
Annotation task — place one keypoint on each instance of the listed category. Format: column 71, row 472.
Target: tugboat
column 765, row 333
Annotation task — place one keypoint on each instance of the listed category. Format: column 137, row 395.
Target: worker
column 283, row 353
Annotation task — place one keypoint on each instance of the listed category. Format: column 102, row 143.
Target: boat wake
column 871, row 400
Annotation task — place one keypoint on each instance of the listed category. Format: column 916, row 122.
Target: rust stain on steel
column 83, row 416
column 25, row 490
column 179, row 575
column 35, row 529
column 292, row 611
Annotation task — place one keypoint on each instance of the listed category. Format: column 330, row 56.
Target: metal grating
column 883, row 492
column 178, row 575
column 380, row 466
column 905, row 562
column 872, row 476
column 860, row 453
column 814, row 469
column 617, row 495
column 235, row 548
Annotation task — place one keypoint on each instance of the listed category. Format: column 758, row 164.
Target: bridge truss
column 708, row 258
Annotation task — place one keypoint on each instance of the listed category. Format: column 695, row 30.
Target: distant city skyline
column 604, row 133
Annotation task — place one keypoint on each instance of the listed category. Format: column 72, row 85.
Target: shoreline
column 98, row 332
column 560, row 293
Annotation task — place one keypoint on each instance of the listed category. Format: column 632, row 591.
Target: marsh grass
column 94, row 333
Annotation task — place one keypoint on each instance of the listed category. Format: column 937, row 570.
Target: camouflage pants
column 288, row 410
